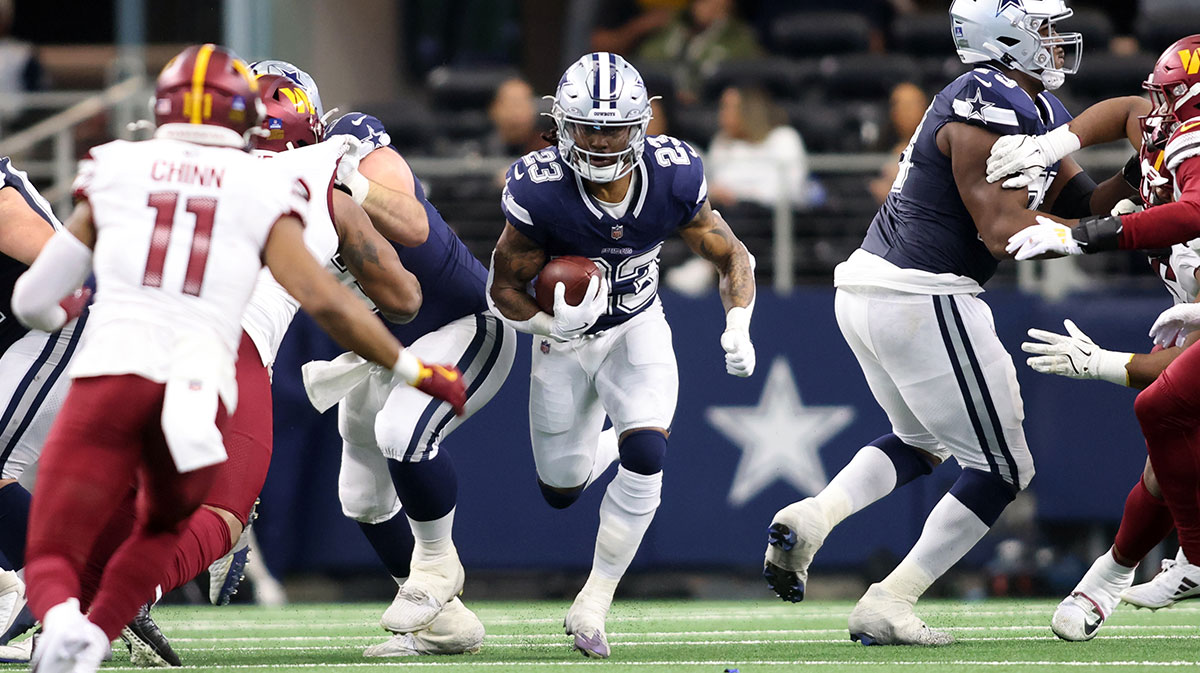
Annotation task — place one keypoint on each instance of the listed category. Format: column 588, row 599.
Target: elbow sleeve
column 1075, row 199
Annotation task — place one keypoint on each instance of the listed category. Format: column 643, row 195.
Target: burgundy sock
column 1145, row 522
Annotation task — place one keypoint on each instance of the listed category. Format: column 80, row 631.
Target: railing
column 123, row 98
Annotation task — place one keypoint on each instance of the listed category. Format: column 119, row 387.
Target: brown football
column 572, row 271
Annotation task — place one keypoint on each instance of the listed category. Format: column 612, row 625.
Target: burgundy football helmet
column 1174, row 87
column 291, row 119
column 207, row 95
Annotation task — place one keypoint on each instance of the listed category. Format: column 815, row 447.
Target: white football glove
column 735, row 340
column 354, row 150
column 1047, row 236
column 1028, row 156
column 1174, row 324
column 572, row 321
column 1125, row 207
column 1075, row 356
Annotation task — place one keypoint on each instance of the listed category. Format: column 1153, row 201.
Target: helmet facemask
column 1049, row 48
column 624, row 140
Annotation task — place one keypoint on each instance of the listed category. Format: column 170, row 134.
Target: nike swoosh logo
column 359, row 121
column 517, row 172
column 1090, row 626
column 983, row 82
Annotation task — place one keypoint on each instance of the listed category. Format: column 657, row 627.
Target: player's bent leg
column 1178, row 580
column 455, row 630
column 799, row 530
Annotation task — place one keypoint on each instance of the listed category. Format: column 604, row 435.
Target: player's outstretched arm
column 709, row 236
column 381, row 181
column 59, row 269
column 394, row 289
column 23, row 232
column 348, row 320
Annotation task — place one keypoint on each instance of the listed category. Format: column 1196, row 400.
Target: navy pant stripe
column 431, row 408
column 480, row 377
column 956, row 364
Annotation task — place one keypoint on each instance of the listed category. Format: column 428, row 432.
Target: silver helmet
column 601, row 96
column 1009, row 32
column 301, row 78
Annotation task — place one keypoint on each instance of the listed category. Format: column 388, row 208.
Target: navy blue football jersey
column 453, row 282
column 923, row 223
column 11, row 269
column 546, row 201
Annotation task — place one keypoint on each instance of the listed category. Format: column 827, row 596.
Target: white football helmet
column 602, row 95
column 1008, row 32
column 301, row 78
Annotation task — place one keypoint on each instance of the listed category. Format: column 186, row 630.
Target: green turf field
column 664, row 636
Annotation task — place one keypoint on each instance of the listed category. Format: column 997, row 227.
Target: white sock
column 1107, row 568
column 607, row 453
column 869, row 476
column 949, row 533
column 433, row 538
column 625, row 513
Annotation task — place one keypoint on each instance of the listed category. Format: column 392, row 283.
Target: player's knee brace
column 643, row 451
column 560, row 498
column 908, row 461
column 984, row 493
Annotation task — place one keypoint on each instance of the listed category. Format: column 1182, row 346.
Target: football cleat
column 1079, row 616
column 883, row 618
column 15, row 616
column 455, row 630
column 69, row 643
column 430, row 585
column 585, row 621
column 17, row 653
column 795, row 535
column 1178, row 581
column 226, row 573
column 148, row 647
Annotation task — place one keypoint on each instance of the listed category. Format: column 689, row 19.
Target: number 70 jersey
column 546, row 201
column 180, row 231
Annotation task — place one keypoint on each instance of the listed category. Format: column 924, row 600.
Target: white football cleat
column 430, row 585
column 883, row 618
column 1080, row 615
column 12, row 599
column 455, row 630
column 18, row 652
column 1177, row 581
column 69, row 643
column 795, row 535
column 585, row 618
column 226, row 573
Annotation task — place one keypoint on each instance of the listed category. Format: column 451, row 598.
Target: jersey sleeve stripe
column 703, row 194
column 990, row 115
column 17, row 179
column 515, row 209
column 1181, row 148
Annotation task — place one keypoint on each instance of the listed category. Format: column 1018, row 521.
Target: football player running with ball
column 608, row 192
column 907, row 303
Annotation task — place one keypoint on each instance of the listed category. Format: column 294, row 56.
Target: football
column 572, row 271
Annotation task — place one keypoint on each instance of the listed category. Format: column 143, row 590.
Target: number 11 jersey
column 180, row 231
column 547, row 201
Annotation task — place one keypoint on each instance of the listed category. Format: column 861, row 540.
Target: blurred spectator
column 908, row 103
column 514, row 116
column 879, row 13
column 659, row 123
column 20, row 70
column 621, row 25
column 697, row 38
column 755, row 156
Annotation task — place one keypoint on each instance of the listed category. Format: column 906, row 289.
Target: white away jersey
column 271, row 308
column 180, row 230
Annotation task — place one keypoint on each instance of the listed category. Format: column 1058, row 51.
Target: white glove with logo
column 1125, row 207
column 1174, row 324
column 570, row 321
column 1075, row 356
column 354, row 151
column 1028, row 157
column 735, row 340
column 1047, row 236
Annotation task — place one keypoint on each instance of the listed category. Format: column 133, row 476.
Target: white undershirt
column 618, row 210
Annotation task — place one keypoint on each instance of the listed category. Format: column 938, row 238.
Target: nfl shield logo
column 545, row 346
column 618, row 230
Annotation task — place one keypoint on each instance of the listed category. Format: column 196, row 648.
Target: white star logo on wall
column 780, row 438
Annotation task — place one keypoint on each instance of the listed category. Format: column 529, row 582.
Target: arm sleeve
column 61, row 268
column 1171, row 223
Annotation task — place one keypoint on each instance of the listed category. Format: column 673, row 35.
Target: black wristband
column 343, row 189
column 1098, row 233
column 1132, row 172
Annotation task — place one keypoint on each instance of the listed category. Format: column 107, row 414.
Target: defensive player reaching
column 176, row 229
column 392, row 452
column 907, row 305
column 608, row 192
column 1173, row 87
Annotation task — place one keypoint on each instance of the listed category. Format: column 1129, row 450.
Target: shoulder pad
column 986, row 98
column 362, row 126
column 1184, row 144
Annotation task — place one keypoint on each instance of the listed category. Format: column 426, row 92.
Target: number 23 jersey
column 180, row 231
column 546, row 201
